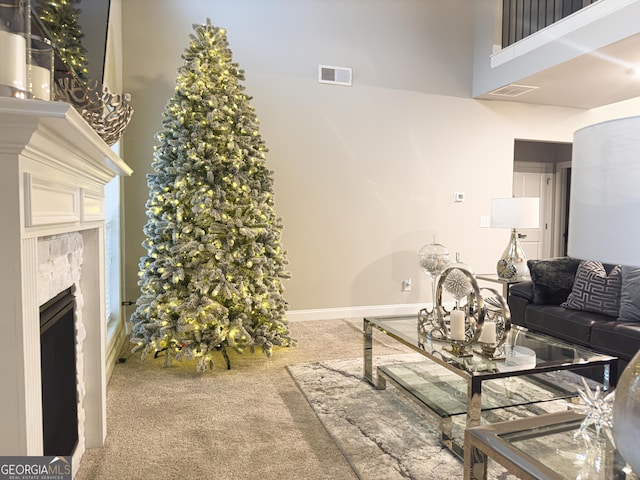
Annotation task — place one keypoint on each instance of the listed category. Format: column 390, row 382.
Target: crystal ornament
column 598, row 411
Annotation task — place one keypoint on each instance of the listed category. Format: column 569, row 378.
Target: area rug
column 382, row 434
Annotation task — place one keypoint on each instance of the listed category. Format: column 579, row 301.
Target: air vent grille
column 334, row 75
column 512, row 90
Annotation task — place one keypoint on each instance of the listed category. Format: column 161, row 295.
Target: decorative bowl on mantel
column 107, row 113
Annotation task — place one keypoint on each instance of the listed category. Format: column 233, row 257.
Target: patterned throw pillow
column 594, row 290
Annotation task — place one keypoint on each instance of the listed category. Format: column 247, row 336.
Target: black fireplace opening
column 59, row 377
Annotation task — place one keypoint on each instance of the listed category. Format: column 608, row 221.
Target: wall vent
column 512, row 90
column 334, row 75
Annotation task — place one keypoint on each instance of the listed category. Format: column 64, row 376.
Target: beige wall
column 364, row 175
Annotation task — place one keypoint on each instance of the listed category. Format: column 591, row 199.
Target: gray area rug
column 382, row 434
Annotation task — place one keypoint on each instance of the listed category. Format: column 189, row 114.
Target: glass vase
column 626, row 414
column 13, row 49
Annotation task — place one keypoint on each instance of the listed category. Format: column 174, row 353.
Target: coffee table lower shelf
column 443, row 396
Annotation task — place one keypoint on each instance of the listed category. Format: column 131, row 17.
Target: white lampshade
column 516, row 212
column 604, row 212
column 604, row 225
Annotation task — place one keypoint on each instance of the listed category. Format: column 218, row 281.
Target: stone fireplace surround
column 54, row 168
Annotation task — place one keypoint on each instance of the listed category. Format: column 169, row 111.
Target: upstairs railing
column 521, row 18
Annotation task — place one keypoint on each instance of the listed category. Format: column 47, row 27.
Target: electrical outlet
column 406, row 284
column 485, row 222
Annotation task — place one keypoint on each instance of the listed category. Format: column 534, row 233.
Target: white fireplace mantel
column 53, row 171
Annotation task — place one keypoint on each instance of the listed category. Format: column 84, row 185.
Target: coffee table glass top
column 523, row 350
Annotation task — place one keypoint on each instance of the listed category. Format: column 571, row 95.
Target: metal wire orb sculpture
column 107, row 113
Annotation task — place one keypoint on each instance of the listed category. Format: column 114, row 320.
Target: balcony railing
column 521, row 18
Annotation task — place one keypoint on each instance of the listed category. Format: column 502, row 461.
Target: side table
column 542, row 447
column 493, row 277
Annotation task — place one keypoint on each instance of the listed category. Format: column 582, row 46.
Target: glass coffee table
column 536, row 368
column 545, row 447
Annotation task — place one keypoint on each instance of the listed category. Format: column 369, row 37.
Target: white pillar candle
column 13, row 60
column 40, row 82
column 457, row 325
column 488, row 333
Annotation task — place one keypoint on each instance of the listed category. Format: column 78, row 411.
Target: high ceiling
column 592, row 80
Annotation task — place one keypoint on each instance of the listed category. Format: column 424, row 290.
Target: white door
column 536, row 242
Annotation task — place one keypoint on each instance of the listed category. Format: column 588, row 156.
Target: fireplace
column 55, row 168
column 59, row 375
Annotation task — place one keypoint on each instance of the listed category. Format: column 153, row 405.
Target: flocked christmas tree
column 60, row 18
column 212, row 276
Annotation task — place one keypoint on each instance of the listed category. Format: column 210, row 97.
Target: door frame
column 554, row 158
column 561, row 211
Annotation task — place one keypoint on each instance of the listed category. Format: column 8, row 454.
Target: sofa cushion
column 518, row 308
column 621, row 339
column 595, row 291
column 630, row 295
column 523, row 290
column 552, row 279
column 574, row 326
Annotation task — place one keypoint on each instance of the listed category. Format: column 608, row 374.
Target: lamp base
column 513, row 263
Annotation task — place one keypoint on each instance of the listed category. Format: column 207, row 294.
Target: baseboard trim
column 354, row 312
column 115, row 345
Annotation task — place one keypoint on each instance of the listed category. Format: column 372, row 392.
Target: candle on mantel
column 13, row 66
column 40, row 82
column 457, row 325
column 488, row 333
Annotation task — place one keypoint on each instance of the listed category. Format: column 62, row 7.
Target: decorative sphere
column 433, row 258
column 458, row 284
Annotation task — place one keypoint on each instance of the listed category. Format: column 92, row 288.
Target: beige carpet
column 245, row 423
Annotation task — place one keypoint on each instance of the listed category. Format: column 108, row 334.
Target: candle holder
column 13, row 48
column 496, row 326
column 459, row 349
column 460, row 282
column 489, row 350
column 41, row 69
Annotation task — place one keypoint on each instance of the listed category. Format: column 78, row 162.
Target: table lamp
column 513, row 213
column 604, row 225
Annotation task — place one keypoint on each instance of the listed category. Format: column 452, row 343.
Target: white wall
column 364, row 175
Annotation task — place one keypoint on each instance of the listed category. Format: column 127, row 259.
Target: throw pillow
column 594, row 290
column 552, row 279
column 630, row 295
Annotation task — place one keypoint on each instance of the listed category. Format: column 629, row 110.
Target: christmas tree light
column 212, row 275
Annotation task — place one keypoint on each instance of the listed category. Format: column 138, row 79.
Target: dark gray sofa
column 537, row 305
